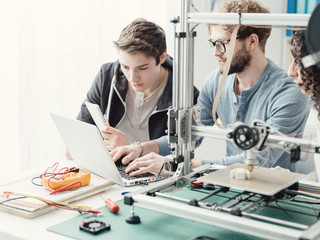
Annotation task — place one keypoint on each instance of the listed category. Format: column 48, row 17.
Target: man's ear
column 163, row 57
column 253, row 40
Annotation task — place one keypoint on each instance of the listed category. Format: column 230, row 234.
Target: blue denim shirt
column 274, row 99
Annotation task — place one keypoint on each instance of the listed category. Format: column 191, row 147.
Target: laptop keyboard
column 122, row 168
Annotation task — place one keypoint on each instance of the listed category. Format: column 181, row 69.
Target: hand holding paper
column 112, row 136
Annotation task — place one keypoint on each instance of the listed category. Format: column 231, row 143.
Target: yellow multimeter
column 73, row 179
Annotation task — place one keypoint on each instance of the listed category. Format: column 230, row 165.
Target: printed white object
column 240, row 174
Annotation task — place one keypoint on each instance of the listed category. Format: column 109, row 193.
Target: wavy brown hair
column 311, row 75
column 142, row 36
column 244, row 6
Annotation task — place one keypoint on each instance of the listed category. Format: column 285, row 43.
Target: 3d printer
column 251, row 196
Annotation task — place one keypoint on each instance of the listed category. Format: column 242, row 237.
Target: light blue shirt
column 274, row 99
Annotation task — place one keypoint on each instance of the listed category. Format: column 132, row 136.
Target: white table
column 16, row 228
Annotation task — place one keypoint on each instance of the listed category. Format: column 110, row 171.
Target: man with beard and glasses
column 255, row 89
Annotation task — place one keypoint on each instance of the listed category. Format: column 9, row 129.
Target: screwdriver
column 112, row 206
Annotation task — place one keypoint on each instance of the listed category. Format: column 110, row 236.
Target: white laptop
column 90, row 152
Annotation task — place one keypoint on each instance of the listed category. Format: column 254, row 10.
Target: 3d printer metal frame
column 183, row 129
column 180, row 116
column 226, row 217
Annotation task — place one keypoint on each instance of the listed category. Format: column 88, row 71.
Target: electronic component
column 208, row 186
column 54, row 182
column 196, row 185
column 94, row 227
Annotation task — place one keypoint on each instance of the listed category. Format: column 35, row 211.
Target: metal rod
column 185, row 62
column 274, row 220
column 172, row 197
column 312, row 233
column 251, row 204
column 267, row 219
column 209, row 131
column 190, row 68
column 185, row 84
column 209, row 195
column 260, row 19
column 275, row 141
column 174, row 69
column 239, row 200
column 302, row 194
column 187, row 159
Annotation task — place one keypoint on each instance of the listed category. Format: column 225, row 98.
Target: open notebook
column 90, row 152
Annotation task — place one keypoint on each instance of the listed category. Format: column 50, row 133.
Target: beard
column 240, row 61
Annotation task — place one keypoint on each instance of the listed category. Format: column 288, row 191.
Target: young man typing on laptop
column 134, row 92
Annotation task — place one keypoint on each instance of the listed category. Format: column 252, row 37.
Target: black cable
column 161, row 170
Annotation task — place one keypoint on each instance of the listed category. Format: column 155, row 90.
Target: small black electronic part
column 209, row 186
column 210, row 204
column 94, row 227
column 132, row 217
column 236, row 212
column 194, row 202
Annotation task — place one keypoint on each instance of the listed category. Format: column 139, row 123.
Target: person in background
column 142, row 90
column 255, row 89
column 307, row 79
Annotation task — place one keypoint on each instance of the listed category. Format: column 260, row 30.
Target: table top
column 16, row 228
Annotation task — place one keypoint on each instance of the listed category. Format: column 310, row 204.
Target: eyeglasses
column 220, row 44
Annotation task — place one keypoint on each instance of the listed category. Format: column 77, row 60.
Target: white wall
column 9, row 141
column 51, row 52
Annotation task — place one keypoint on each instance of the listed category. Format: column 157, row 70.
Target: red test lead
column 112, row 206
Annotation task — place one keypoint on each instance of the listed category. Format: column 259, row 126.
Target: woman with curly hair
column 307, row 79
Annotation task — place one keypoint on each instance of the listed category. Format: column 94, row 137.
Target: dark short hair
column 311, row 75
column 142, row 36
column 244, row 6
